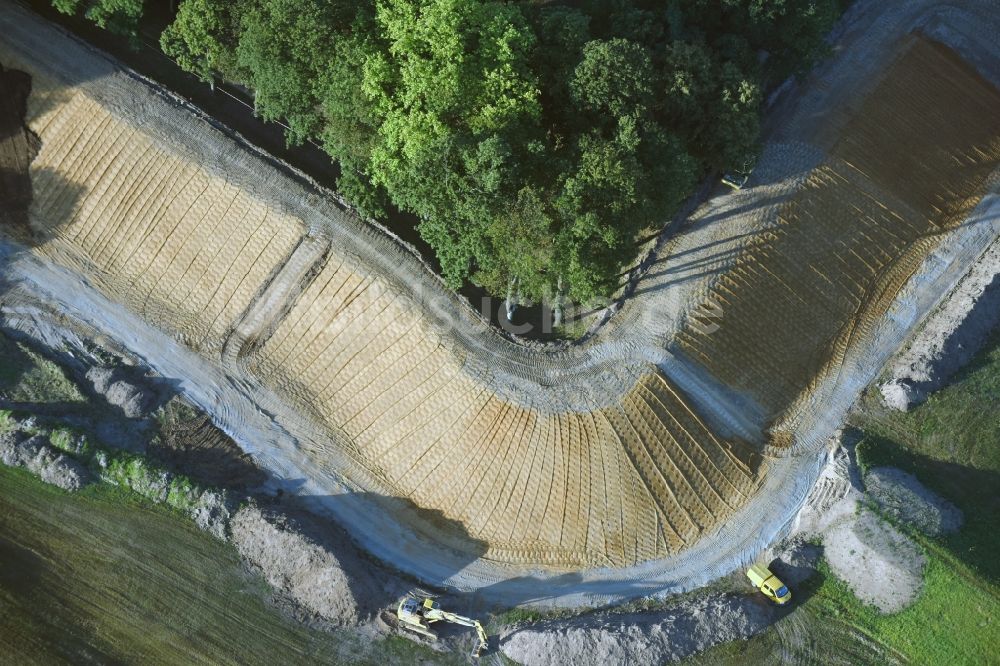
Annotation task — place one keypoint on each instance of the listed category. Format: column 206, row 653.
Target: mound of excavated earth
column 326, row 578
column 18, row 449
column 634, row 445
column 951, row 336
column 882, row 566
column 902, row 497
column 640, row 638
column 135, row 400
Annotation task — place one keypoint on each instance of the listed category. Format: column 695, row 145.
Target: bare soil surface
column 122, row 392
column 33, row 452
column 326, row 576
column 882, row 566
column 191, row 444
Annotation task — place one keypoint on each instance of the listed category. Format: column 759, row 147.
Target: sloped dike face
column 911, row 163
column 412, row 413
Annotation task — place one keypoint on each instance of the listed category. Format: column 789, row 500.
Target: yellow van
column 769, row 584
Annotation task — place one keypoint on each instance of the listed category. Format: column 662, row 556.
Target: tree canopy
column 536, row 142
column 118, row 16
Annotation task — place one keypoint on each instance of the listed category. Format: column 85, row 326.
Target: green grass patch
column 573, row 330
column 958, row 424
column 6, row 421
column 72, row 442
column 951, row 444
column 517, row 616
column 151, row 482
column 954, row 621
column 44, row 381
column 26, row 376
column 976, row 492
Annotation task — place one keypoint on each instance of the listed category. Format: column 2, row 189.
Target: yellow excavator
column 418, row 611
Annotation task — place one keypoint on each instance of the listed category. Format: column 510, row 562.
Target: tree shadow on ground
column 19, row 146
column 198, row 449
column 666, row 262
column 802, row 579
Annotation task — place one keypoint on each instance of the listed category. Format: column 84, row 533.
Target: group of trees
column 119, row 16
column 535, row 141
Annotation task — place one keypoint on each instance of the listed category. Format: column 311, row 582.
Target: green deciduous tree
column 456, row 103
column 534, row 141
column 284, row 48
column 712, row 103
column 118, row 16
column 614, row 80
column 203, row 37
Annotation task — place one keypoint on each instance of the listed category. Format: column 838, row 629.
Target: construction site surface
column 689, row 424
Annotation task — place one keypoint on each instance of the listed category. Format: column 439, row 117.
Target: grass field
column 101, row 577
column 952, row 444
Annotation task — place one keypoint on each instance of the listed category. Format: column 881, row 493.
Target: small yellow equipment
column 735, row 180
column 769, row 584
column 738, row 178
column 417, row 613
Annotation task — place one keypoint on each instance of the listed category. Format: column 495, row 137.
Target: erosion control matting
column 910, row 164
column 636, row 480
column 339, row 361
column 178, row 244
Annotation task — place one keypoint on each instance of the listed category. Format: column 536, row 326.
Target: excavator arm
column 439, row 615
column 417, row 616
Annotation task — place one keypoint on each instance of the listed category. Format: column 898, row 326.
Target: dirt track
column 620, row 402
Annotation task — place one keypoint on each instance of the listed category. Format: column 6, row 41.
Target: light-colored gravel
column 882, row 566
column 640, row 639
column 33, row 453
